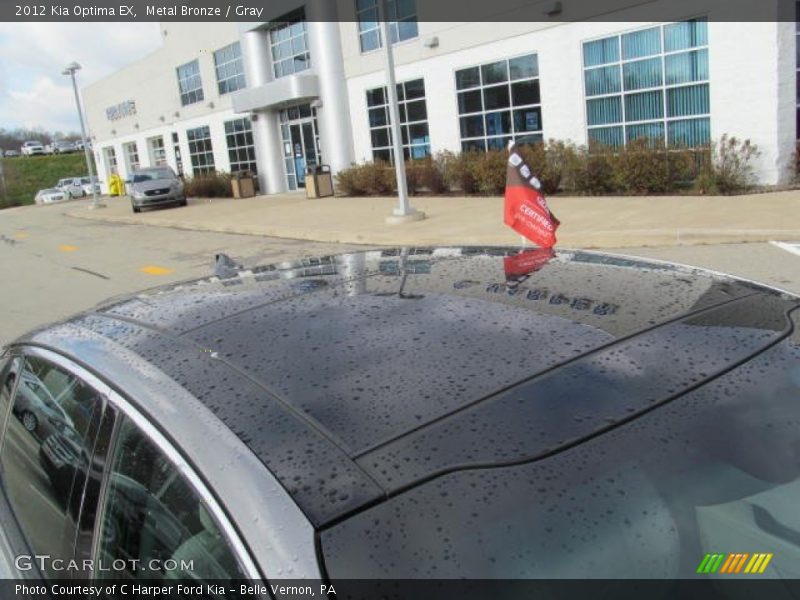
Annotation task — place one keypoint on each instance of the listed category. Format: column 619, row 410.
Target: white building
column 306, row 87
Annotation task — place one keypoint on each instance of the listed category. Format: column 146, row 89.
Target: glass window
column 8, row 378
column 47, row 453
column 504, row 98
column 229, row 69
column 158, row 155
column 241, row 149
column 288, row 42
column 413, row 121
column 201, row 153
column 190, row 85
column 402, row 17
column 131, row 155
column 152, row 515
column 641, row 43
column 110, row 156
column 669, row 66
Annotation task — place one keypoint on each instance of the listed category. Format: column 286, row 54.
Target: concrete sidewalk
column 587, row 222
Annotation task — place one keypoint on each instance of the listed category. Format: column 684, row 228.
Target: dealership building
column 307, row 87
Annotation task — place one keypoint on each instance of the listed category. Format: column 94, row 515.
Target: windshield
column 152, row 175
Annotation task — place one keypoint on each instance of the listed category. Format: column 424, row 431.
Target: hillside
column 26, row 175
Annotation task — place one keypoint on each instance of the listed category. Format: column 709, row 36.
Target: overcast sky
column 33, row 93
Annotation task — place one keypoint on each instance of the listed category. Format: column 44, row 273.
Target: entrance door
column 300, row 143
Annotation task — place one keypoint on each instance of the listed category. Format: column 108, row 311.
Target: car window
column 46, row 450
column 8, row 378
column 154, row 521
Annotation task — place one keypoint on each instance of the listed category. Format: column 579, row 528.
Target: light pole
column 404, row 211
column 70, row 70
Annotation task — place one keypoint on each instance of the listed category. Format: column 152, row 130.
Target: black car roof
column 358, row 376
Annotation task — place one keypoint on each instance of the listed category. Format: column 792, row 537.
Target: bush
column 429, row 175
column 595, row 170
column 209, row 185
column 490, row 172
column 641, row 167
column 367, row 179
column 552, row 162
column 347, row 182
column 728, row 169
column 460, row 170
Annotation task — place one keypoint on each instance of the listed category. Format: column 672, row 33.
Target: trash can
column 319, row 181
column 243, row 185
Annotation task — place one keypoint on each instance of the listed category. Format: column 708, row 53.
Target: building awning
column 280, row 92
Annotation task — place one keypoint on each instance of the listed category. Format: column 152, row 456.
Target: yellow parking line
column 67, row 248
column 21, row 235
column 155, row 270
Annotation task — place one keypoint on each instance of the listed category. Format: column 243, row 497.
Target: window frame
column 208, row 167
column 16, row 539
column 125, row 409
column 195, row 94
column 377, row 30
column 664, row 87
column 235, row 82
column 511, row 109
column 274, row 41
column 235, row 148
column 131, row 152
column 405, row 124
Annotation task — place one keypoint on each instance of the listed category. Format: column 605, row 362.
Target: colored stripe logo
column 735, row 563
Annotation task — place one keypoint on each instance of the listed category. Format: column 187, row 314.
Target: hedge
column 641, row 167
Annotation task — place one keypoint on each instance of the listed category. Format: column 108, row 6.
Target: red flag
column 526, row 209
column 526, row 262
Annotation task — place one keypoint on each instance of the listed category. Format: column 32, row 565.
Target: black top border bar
column 540, row 11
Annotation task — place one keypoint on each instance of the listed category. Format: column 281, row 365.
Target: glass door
column 300, row 143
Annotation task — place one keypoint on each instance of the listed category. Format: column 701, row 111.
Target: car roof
column 356, row 377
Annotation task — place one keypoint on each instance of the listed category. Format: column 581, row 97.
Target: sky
column 34, row 93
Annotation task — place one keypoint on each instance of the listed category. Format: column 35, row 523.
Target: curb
column 588, row 240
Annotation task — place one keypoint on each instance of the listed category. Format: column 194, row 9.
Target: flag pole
column 404, row 212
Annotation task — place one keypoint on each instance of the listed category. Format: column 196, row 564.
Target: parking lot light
column 70, row 70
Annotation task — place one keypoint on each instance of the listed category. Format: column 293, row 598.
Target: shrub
column 553, row 162
column 490, row 172
column 642, row 167
column 729, row 169
column 209, row 185
column 594, row 170
column 347, row 182
column 460, row 170
column 377, row 178
column 367, row 179
column 429, row 175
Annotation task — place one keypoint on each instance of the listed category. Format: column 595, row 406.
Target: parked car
column 32, row 147
column 422, row 413
column 72, row 186
column 63, row 147
column 86, row 183
column 11, row 153
column 38, row 411
column 50, row 195
column 155, row 186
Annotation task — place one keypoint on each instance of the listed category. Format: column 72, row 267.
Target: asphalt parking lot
column 54, row 266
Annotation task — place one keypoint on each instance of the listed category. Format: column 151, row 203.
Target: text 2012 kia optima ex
column 421, row 413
